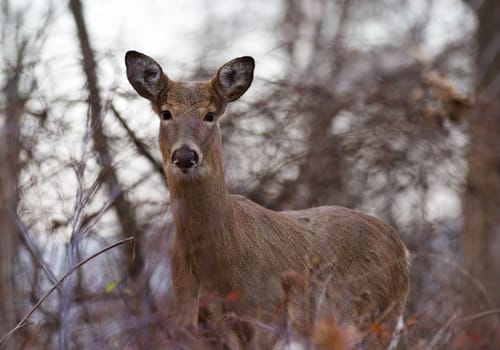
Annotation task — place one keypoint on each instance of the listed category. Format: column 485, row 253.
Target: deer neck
column 205, row 227
column 202, row 211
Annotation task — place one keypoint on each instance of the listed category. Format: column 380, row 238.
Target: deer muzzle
column 184, row 157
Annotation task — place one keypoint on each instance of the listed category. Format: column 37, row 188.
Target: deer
column 224, row 243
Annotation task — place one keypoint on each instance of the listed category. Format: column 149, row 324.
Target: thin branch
column 30, row 245
column 441, row 335
column 464, row 272
column 141, row 147
column 479, row 315
column 24, row 320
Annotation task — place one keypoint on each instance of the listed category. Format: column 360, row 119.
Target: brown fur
column 225, row 243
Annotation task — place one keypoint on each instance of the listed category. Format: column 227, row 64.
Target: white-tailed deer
column 225, row 243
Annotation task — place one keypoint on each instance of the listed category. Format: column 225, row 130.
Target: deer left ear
column 234, row 78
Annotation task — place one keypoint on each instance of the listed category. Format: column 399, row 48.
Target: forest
column 389, row 107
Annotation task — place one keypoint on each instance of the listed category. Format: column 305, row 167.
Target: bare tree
column 481, row 239
column 20, row 50
column 10, row 148
column 378, row 134
column 124, row 209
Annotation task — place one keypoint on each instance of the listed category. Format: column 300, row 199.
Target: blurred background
column 391, row 107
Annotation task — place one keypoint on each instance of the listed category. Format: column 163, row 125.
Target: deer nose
column 184, row 157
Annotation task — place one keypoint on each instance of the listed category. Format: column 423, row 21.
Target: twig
column 479, row 315
column 462, row 271
column 31, row 246
column 441, row 334
column 24, row 320
column 141, row 147
column 454, row 320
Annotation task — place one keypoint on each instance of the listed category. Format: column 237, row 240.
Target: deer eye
column 166, row 115
column 209, row 117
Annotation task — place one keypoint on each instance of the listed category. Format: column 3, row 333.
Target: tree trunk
column 321, row 179
column 124, row 209
column 481, row 239
column 10, row 147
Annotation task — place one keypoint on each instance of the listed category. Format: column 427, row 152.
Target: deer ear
column 145, row 75
column 234, row 78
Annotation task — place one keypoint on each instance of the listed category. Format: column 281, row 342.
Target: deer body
column 225, row 243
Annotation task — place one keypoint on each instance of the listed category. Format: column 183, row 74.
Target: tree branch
column 24, row 320
column 141, row 147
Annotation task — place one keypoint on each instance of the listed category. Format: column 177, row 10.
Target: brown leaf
column 232, row 296
column 329, row 335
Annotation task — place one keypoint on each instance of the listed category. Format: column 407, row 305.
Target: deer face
column 189, row 112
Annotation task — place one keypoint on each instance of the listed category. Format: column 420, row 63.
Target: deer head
column 189, row 112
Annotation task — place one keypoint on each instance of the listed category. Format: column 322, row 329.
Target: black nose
column 184, row 157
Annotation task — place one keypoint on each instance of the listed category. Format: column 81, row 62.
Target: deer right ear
column 145, row 75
